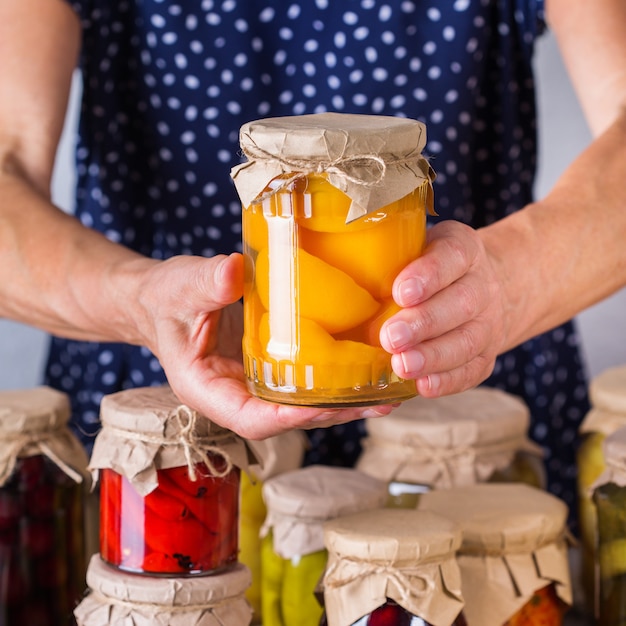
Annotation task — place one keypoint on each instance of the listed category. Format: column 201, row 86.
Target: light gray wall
column 563, row 134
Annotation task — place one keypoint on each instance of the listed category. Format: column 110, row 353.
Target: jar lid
column 278, row 454
column 35, row 421
column 147, row 428
column 403, row 554
column 608, row 390
column 374, row 159
column 614, row 449
column 126, row 595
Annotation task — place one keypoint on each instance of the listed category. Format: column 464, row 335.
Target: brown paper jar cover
column 405, row 555
column 607, row 393
column 279, row 454
column 300, row 501
column 514, row 542
column 33, row 422
column 116, row 598
column 614, row 449
column 373, row 159
column 148, row 428
column 449, row 441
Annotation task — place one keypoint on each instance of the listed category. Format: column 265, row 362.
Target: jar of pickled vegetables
column 117, row 598
column 43, row 483
column 293, row 556
column 607, row 393
column 392, row 567
column 334, row 206
column 276, row 455
column 513, row 555
column 609, row 497
column 169, row 485
column 476, row 436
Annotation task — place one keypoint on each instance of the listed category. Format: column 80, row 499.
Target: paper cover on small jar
column 405, row 555
column 117, row 598
column 607, row 394
column 514, row 543
column 299, row 502
column 449, row 441
column 169, row 485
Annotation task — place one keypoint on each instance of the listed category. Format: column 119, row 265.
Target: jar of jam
column 479, row 435
column 607, row 393
column 276, row 455
column 334, row 206
column 513, row 555
column 392, row 567
column 43, row 484
column 609, row 497
column 169, row 485
column 117, row 598
column 293, row 556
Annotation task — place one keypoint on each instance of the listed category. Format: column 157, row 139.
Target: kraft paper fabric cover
column 373, row 159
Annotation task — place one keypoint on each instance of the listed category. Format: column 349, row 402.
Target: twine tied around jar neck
column 37, row 442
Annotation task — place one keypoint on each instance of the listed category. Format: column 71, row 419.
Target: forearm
column 566, row 252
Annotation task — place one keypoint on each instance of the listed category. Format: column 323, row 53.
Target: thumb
column 221, row 280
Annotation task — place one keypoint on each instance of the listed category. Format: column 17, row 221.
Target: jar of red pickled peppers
column 117, row 598
column 513, row 555
column 479, row 435
column 43, row 483
column 169, row 485
column 392, row 567
column 293, row 556
column 334, row 206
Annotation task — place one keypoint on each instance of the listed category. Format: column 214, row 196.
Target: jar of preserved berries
column 609, row 497
column 476, row 436
column 513, row 555
column 392, row 567
column 293, row 556
column 334, row 206
column 169, row 485
column 607, row 393
column 117, row 598
column 276, row 455
column 43, row 484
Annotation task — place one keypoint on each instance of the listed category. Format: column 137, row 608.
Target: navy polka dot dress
column 168, row 84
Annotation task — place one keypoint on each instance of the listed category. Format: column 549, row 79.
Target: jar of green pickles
column 607, row 393
column 392, row 567
column 609, row 497
column 43, row 487
column 479, row 435
column 513, row 555
column 334, row 206
column 293, row 556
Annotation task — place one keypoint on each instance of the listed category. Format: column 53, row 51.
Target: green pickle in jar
column 319, row 264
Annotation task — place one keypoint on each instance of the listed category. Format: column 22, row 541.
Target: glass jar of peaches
column 169, row 486
column 334, row 207
column 513, row 555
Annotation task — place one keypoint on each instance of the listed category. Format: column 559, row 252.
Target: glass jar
column 293, row 556
column 607, row 393
column 43, row 484
column 392, row 567
column 277, row 455
column 169, row 486
column 609, row 497
column 329, row 219
column 479, row 435
column 513, row 555
column 116, row 598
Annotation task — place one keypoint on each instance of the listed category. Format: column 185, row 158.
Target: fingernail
column 372, row 413
column 409, row 292
column 324, row 417
column 399, row 334
column 413, row 361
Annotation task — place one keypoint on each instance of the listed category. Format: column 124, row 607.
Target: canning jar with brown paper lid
column 334, row 206
column 43, row 487
column 293, row 556
column 117, row 598
column 471, row 437
column 609, row 498
column 390, row 566
column 169, row 485
column 277, row 455
column 514, row 552
column 607, row 394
